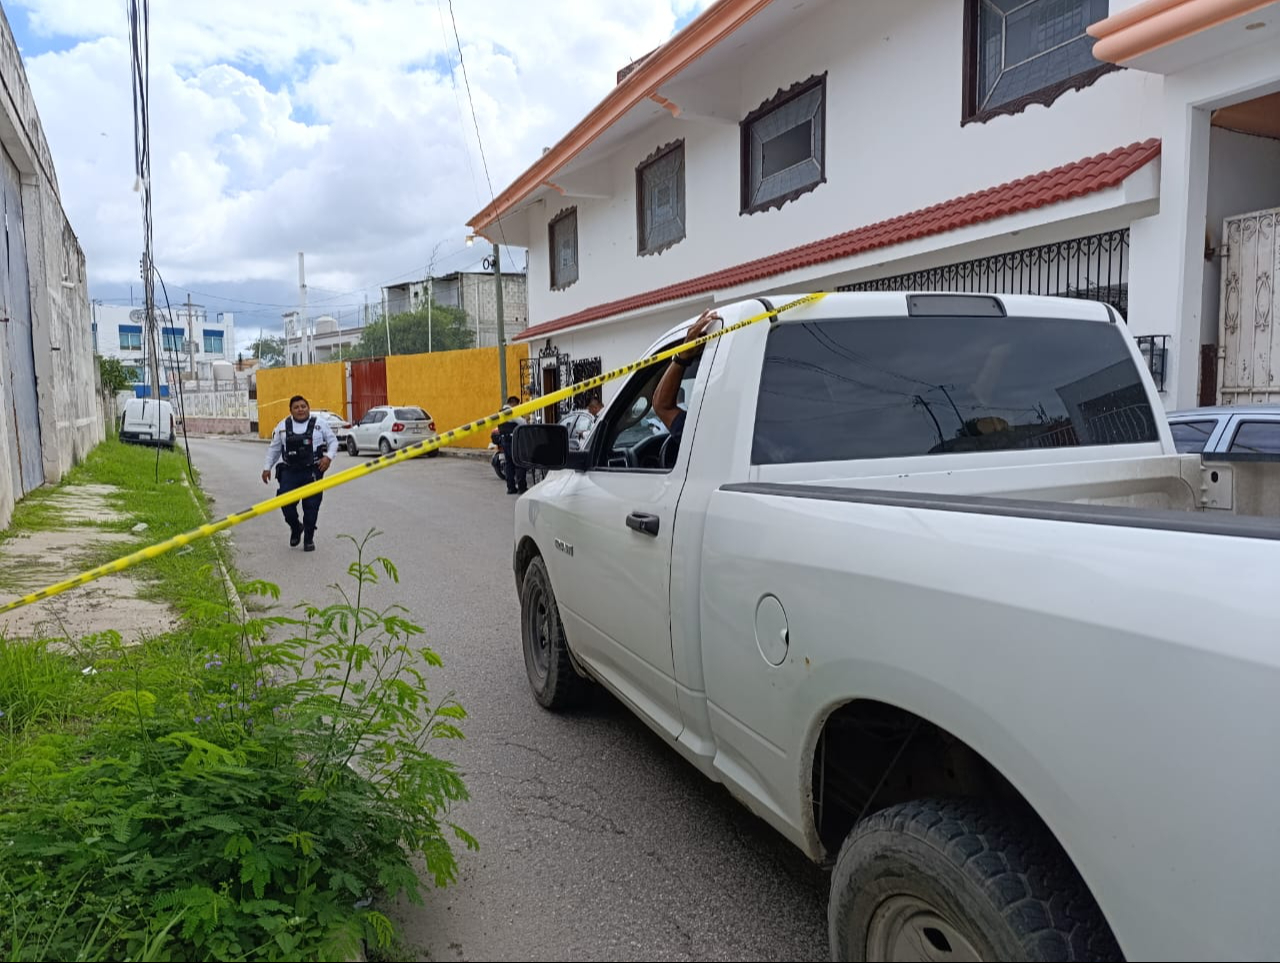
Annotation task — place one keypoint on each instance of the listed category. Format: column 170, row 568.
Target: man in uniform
column 517, row 478
column 302, row 448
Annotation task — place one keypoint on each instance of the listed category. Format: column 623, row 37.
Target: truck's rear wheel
column 938, row 879
column 552, row 678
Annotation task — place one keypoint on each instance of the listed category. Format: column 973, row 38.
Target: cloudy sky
column 341, row 128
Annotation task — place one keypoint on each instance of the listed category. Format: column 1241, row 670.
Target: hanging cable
column 476, row 121
column 182, row 403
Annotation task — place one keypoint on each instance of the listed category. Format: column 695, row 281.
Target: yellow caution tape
column 404, row 454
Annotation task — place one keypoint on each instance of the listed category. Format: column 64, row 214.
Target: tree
column 115, row 376
column 450, row 330
column 268, row 351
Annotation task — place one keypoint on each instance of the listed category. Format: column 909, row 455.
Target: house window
column 1023, row 52
column 660, row 199
column 564, row 248
column 784, row 146
column 130, row 337
column 213, row 341
column 172, row 339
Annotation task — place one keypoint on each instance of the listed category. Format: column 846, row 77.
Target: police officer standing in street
column 302, row 448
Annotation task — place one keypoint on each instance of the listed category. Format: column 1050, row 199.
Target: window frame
column 1045, row 96
column 1243, row 421
column 602, row 432
column 643, row 249
column 1214, row 425
column 829, row 447
column 780, row 99
column 120, row 336
column 553, row 260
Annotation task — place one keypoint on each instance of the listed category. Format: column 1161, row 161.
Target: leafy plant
column 235, row 795
column 115, row 376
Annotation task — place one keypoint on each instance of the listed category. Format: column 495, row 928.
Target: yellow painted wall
column 323, row 385
column 453, row 386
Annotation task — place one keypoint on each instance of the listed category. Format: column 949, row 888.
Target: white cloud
column 330, row 126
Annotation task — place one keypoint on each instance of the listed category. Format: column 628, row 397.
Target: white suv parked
column 387, row 428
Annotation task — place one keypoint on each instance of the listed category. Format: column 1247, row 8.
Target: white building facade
column 322, row 340
column 938, row 145
column 190, row 342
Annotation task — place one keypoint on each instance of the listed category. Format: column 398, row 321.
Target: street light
column 497, row 297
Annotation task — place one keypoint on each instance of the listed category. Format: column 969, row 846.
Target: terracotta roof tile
column 1038, row 190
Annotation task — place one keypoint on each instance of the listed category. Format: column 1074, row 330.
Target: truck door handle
column 644, row 523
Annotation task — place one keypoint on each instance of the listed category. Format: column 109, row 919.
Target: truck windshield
column 892, row 387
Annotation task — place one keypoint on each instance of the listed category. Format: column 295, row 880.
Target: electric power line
column 475, row 120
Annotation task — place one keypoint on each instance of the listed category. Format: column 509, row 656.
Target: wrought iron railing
column 1094, row 267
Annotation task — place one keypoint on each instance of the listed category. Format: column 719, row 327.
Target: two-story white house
column 1082, row 148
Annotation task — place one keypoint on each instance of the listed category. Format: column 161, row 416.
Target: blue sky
column 326, row 126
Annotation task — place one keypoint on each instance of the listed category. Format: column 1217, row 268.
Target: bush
column 231, row 796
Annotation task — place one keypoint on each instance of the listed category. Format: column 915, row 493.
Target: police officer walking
column 302, row 448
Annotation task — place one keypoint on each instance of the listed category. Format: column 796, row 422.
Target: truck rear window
column 892, row 387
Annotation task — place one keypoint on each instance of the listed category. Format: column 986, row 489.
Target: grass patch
column 221, row 793
column 150, row 490
column 239, row 789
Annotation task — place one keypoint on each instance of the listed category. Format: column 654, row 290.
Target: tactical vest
column 299, row 452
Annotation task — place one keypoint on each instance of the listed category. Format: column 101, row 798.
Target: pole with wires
column 302, row 307
column 502, row 336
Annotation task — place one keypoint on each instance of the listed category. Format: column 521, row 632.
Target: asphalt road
column 598, row 842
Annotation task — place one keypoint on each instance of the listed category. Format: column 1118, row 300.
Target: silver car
column 388, row 428
column 1227, row 429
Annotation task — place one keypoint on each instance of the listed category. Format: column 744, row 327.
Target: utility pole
column 153, row 347
column 191, row 338
column 502, row 337
column 302, row 314
column 431, row 276
column 386, row 320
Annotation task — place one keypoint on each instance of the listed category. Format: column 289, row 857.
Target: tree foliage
column 450, row 329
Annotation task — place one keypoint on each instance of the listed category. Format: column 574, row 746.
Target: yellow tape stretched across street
column 377, row 464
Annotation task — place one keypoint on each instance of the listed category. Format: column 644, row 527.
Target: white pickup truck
column 926, row 585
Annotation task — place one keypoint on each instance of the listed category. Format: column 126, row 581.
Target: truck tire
column 938, row 879
column 555, row 683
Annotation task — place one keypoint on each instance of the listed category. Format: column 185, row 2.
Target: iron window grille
column 784, row 146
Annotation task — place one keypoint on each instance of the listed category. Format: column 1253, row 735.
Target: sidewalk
column 58, row 535
column 120, row 499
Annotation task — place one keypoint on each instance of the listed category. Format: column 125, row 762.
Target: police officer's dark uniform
column 295, row 453
column 517, row 481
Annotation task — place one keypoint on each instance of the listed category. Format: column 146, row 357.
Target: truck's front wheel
column 958, row 880
column 555, row 683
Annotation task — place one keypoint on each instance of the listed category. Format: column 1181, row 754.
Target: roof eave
column 717, row 22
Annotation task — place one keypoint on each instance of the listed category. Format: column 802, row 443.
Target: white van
column 146, row 421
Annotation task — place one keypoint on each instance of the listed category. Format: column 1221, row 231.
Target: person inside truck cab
column 666, row 396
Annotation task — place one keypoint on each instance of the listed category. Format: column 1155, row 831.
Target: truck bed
column 1175, row 483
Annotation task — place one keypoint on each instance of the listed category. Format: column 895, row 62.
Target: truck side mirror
column 540, row 446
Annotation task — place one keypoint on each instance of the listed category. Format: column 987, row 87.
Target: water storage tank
column 224, row 371
column 326, row 325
